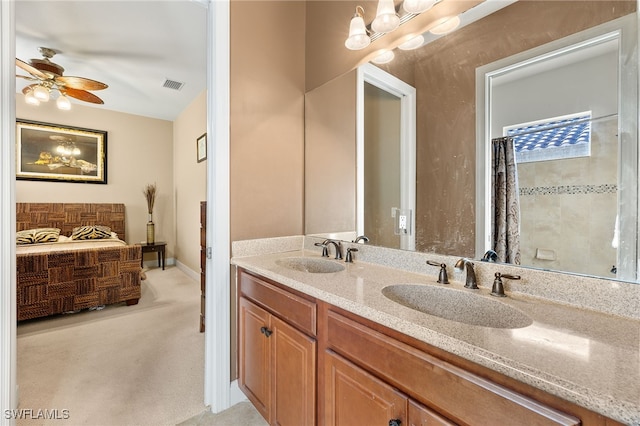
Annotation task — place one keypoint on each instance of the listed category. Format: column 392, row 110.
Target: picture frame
column 201, row 148
column 59, row 153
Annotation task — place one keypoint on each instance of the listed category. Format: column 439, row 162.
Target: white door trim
column 383, row 80
column 8, row 363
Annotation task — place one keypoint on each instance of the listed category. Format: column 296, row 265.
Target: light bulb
column 358, row 37
column 76, row 151
column 386, row 18
column 384, row 58
column 30, row 99
column 446, row 26
column 413, row 43
column 63, row 102
column 41, row 93
column 417, row 6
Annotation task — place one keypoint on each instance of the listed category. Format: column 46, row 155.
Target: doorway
column 385, row 158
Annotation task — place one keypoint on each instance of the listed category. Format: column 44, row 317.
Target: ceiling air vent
column 172, row 84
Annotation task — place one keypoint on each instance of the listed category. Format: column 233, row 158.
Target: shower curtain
column 505, row 203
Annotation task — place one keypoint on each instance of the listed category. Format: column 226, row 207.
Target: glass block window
column 555, row 138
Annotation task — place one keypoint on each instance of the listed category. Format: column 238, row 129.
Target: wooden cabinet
column 277, row 352
column 353, row 396
column 303, row 362
column 203, row 260
column 448, row 391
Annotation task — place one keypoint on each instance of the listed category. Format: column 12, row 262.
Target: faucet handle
column 443, row 278
column 498, row 288
column 349, row 257
column 325, row 249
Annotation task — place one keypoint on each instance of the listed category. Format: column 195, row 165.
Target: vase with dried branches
column 150, row 194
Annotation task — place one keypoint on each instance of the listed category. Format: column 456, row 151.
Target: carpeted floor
column 123, row 365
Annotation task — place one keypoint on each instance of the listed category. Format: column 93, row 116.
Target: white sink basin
column 312, row 265
column 457, row 305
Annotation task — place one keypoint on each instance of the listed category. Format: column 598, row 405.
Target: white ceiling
column 132, row 46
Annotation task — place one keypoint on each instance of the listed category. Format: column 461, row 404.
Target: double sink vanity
column 379, row 341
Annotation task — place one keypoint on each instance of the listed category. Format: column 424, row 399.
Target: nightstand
column 157, row 247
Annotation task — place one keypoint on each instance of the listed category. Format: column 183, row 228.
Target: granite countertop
column 586, row 357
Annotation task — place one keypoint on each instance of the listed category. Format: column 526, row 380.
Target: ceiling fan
column 47, row 76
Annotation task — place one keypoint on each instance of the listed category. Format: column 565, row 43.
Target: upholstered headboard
column 67, row 216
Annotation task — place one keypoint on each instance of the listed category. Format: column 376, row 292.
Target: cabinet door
column 254, row 357
column 354, row 397
column 293, row 356
column 419, row 415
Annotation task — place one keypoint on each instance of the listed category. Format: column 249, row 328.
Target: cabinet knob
column 265, row 331
column 395, row 422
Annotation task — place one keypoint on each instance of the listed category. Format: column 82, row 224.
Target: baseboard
column 235, row 394
column 188, row 271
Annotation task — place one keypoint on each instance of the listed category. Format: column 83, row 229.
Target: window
column 567, row 136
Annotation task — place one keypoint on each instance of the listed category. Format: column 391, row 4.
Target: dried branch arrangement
column 150, row 194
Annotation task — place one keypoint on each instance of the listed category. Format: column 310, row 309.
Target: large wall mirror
column 468, row 93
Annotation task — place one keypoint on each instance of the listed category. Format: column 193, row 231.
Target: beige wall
column 267, row 119
column 190, row 181
column 139, row 152
column 330, row 157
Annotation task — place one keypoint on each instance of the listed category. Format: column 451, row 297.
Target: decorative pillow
column 38, row 235
column 91, row 232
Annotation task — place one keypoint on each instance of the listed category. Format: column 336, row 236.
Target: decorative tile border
column 607, row 188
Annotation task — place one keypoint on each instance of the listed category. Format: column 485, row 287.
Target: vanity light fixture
column 412, row 43
column 446, row 26
column 358, row 36
column 384, row 58
column 386, row 19
column 417, row 6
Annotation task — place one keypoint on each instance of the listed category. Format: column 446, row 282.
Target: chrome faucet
column 363, row 238
column 471, row 274
column 337, row 245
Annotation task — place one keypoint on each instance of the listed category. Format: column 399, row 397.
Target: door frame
column 368, row 73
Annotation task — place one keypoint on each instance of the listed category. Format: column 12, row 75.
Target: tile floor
column 242, row 414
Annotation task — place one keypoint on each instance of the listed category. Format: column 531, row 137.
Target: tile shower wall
column 568, row 208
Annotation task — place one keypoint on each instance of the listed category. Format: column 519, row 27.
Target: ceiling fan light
column 30, row 99
column 417, row 6
column 358, row 37
column 412, row 43
column 446, row 26
column 386, row 19
column 63, row 103
column 384, row 58
column 41, row 93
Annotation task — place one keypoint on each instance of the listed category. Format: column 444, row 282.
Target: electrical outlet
column 402, row 222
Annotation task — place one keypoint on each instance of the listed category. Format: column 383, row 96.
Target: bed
column 55, row 277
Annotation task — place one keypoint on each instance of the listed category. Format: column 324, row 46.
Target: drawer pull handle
column 395, row 422
column 265, row 331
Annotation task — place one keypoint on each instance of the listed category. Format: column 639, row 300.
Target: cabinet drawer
column 296, row 310
column 458, row 394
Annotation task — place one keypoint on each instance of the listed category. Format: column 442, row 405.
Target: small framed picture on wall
column 201, row 147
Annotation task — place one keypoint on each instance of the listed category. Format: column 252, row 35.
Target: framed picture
column 201, row 147
column 56, row 153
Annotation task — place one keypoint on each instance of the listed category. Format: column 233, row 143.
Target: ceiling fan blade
column 81, row 83
column 83, row 95
column 26, row 77
column 31, row 70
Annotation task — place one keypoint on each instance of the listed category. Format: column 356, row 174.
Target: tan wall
column 330, row 156
column 190, row 181
column 139, row 152
column 267, row 119
column 267, row 124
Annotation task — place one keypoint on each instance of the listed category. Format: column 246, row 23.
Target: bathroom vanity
column 326, row 342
